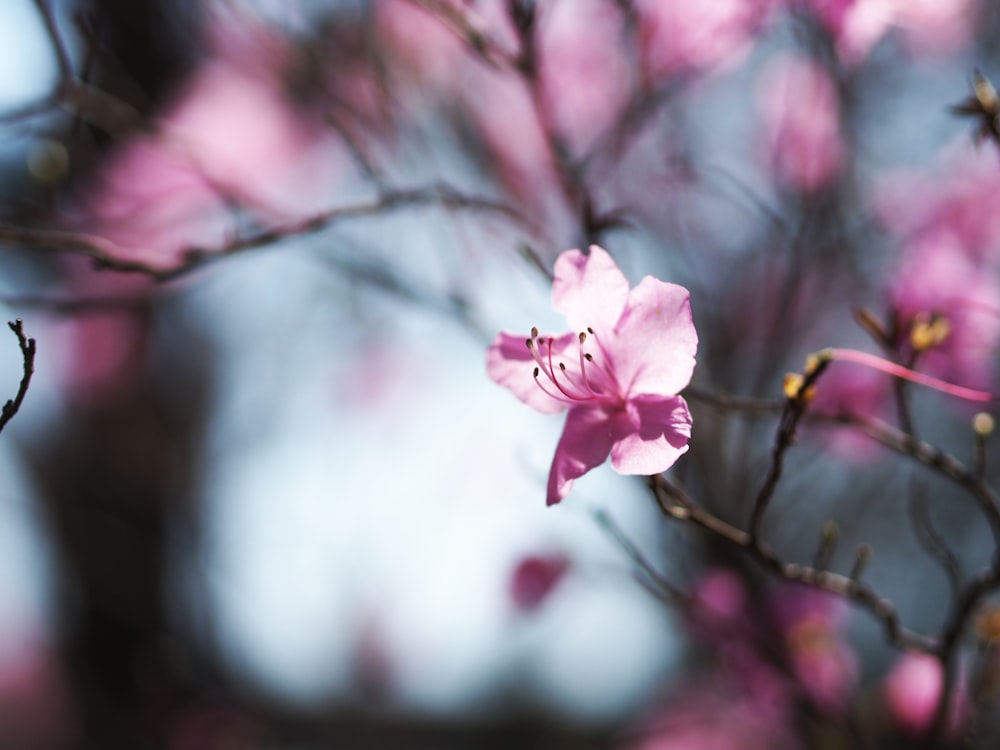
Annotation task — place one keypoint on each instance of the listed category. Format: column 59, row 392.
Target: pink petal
column 586, row 440
column 655, row 342
column 656, row 436
column 534, row 578
column 509, row 363
column 589, row 290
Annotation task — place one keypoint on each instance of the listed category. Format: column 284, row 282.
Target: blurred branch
column 795, row 408
column 932, row 457
column 27, row 346
column 657, row 584
column 485, row 46
column 109, row 254
column 675, row 503
column 932, row 541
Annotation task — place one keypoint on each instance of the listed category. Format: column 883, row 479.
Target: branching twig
column 933, row 542
column 27, row 346
column 108, row 254
column 795, row 407
column 675, row 503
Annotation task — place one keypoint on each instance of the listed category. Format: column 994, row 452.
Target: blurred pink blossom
column 584, row 73
column 824, row 664
column 938, row 284
column 911, row 691
column 957, row 196
column 800, row 114
column 852, row 390
column 927, row 27
column 680, row 37
column 230, row 139
column 618, row 375
column 534, row 578
column 718, row 604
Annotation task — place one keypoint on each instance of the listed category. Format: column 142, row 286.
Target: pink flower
column 912, row 691
column 534, row 578
column 618, row 375
column 800, row 112
column 678, row 37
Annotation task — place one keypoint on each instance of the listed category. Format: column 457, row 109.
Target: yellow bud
column 928, row 331
column 792, row 387
column 988, row 624
column 983, row 424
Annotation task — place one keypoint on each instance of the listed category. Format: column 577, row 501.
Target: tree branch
column 27, row 346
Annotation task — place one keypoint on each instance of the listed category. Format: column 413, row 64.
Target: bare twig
column 27, row 346
column 932, row 541
column 108, row 254
column 62, row 56
column 663, row 587
column 795, row 408
column 675, row 503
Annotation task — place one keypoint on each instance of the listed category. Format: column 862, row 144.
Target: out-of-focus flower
column 911, row 692
column 928, row 27
column 232, row 139
column 947, row 306
column 718, row 604
column 534, row 579
column 824, row 664
column 618, row 377
column 800, row 115
column 679, row 37
column 583, row 70
column 852, row 390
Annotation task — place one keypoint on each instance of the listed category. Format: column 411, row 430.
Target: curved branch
column 27, row 346
column 109, row 254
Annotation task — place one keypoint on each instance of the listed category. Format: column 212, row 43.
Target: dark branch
column 108, row 254
column 27, row 346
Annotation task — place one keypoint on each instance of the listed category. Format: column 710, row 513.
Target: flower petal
column 586, row 440
column 658, row 435
column 589, row 290
column 509, row 363
column 655, row 341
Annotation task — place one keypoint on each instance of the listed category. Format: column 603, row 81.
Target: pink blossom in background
column 534, row 578
column 617, row 375
column 852, row 390
column 681, row 37
column 927, row 27
column 800, row 115
column 719, row 712
column 911, row 691
column 825, row 666
column 957, row 196
column 718, row 604
column 936, row 280
column 230, row 139
column 585, row 75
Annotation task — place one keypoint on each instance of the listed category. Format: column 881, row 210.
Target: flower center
column 585, row 379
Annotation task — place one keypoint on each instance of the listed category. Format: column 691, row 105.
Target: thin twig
column 795, row 408
column 111, row 255
column 675, row 503
column 638, row 559
column 932, row 541
column 27, row 346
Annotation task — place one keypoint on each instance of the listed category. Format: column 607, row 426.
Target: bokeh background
column 262, row 494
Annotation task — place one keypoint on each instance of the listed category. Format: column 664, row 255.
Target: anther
column 528, row 342
column 583, row 337
column 562, row 366
column 536, row 372
column 534, row 332
column 590, row 331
